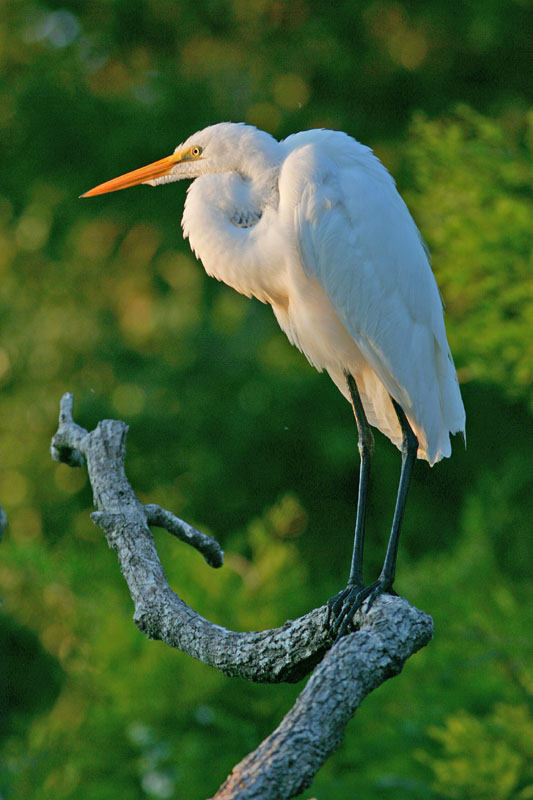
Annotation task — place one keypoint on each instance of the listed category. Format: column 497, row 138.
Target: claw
column 346, row 603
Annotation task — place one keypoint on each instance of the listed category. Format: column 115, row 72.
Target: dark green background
column 229, row 426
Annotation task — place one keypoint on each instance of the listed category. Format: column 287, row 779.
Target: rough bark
column 285, row 763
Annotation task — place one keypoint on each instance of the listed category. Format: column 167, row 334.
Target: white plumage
column 332, row 247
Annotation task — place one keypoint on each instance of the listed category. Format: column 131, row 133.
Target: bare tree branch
column 206, row 545
column 285, row 763
column 287, row 653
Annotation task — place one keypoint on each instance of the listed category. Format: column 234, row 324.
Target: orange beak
column 142, row 175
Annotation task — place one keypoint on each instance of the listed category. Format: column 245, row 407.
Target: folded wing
column 357, row 238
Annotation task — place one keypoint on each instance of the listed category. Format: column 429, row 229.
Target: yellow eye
column 196, row 151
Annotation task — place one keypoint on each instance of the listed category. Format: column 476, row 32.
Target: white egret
column 314, row 226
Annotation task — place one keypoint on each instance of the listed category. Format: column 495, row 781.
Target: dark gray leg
column 409, row 451
column 346, row 603
column 366, row 448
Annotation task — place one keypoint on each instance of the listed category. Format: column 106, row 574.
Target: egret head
column 224, row 147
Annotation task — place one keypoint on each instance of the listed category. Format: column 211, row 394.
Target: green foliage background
column 230, row 428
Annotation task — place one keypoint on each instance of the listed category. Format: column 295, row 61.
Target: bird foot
column 347, row 602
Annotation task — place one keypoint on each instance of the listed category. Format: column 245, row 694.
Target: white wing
column 356, row 237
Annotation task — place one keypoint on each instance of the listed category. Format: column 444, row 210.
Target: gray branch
column 208, row 546
column 286, row 761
